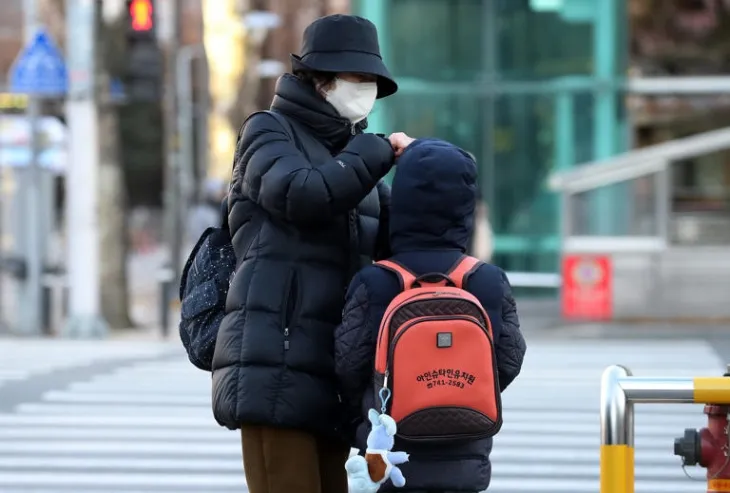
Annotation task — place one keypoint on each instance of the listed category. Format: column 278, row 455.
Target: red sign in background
column 587, row 287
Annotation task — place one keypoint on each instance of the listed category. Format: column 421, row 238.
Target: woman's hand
column 400, row 141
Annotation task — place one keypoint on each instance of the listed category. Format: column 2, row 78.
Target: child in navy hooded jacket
column 431, row 220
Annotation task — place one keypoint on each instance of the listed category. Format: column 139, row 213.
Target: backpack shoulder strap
column 463, row 269
column 286, row 124
column 224, row 213
column 282, row 121
column 405, row 276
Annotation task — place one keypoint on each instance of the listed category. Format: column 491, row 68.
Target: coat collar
column 302, row 103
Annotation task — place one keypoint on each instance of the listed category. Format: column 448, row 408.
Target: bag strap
column 191, row 260
column 286, row 124
column 463, row 269
column 405, row 276
column 288, row 129
column 259, row 217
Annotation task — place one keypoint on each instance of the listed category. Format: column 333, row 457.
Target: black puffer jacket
column 432, row 219
column 293, row 206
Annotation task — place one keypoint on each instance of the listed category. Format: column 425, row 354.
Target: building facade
column 528, row 86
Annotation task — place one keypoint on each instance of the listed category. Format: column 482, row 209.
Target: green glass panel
column 456, row 118
column 521, row 137
column 540, row 44
column 527, row 261
column 621, row 38
column 524, row 137
column 435, row 40
column 583, row 118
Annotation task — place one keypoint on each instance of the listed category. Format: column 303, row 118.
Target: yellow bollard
column 711, row 390
column 617, row 469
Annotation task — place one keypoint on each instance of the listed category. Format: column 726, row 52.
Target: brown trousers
column 289, row 461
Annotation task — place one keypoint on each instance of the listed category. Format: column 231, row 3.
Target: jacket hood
column 433, row 198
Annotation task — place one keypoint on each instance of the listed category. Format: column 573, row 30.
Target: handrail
column 619, row 392
column 692, row 85
column 638, row 163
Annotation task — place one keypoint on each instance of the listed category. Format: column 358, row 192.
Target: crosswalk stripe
column 121, row 447
column 175, row 388
column 121, row 479
column 57, row 433
column 220, row 464
column 116, row 409
column 124, row 397
column 148, row 426
column 22, row 359
column 550, row 439
column 584, row 486
column 126, row 421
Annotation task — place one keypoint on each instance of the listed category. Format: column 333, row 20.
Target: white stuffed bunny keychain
column 367, row 474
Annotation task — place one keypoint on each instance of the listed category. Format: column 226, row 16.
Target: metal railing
column 619, row 392
column 653, row 160
column 639, row 162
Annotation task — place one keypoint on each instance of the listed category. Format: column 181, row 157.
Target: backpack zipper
column 392, row 313
column 290, row 306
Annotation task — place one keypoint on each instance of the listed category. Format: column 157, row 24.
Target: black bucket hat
column 344, row 43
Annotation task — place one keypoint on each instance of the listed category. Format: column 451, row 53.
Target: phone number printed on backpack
column 446, row 377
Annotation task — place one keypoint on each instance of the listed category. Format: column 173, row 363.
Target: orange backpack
column 435, row 358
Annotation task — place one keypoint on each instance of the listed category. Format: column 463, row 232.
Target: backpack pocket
column 202, row 298
column 201, row 314
column 449, row 392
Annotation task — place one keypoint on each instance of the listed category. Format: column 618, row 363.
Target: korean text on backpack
column 435, row 366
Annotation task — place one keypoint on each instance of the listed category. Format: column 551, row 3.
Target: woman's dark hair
column 315, row 78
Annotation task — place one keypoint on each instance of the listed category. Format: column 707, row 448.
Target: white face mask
column 352, row 100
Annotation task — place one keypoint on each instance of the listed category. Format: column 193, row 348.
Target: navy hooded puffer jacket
column 431, row 220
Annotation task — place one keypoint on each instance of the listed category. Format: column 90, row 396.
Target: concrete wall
column 678, row 284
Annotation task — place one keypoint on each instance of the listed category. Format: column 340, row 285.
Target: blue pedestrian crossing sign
column 39, row 69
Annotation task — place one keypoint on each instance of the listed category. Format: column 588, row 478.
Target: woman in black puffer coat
column 307, row 208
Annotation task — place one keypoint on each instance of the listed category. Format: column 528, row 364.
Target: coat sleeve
column 355, row 343
column 278, row 177
column 511, row 346
column 382, row 246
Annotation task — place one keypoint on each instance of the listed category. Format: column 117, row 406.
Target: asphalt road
column 134, row 417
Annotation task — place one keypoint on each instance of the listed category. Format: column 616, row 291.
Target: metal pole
column 663, row 202
column 173, row 214
column 185, row 116
column 3, row 231
column 31, row 302
column 82, row 231
column 203, row 109
column 617, row 434
column 619, row 392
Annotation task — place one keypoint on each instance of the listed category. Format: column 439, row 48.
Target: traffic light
column 145, row 65
column 141, row 14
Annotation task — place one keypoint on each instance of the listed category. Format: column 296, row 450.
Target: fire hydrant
column 708, row 447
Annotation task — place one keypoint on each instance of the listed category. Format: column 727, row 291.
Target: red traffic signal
column 141, row 14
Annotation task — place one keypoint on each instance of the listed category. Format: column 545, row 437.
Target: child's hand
column 400, row 141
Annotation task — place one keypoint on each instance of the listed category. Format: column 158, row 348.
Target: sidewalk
column 539, row 318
